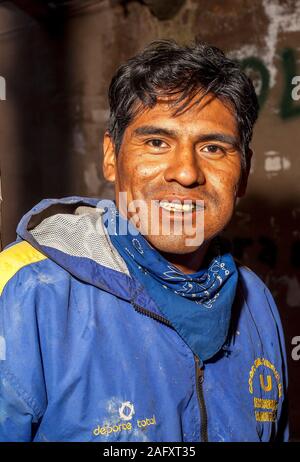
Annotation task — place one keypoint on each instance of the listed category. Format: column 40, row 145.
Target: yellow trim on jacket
column 16, row 257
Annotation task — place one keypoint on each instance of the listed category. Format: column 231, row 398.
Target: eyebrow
column 146, row 130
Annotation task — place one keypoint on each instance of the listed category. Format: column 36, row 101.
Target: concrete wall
column 53, row 119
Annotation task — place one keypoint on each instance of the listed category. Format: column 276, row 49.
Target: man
column 154, row 333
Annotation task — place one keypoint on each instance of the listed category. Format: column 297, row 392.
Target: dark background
column 57, row 58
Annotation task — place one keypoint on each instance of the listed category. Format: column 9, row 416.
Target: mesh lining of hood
column 80, row 235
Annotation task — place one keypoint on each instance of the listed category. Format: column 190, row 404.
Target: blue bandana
column 197, row 305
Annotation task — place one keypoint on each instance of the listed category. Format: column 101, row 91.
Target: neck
column 191, row 262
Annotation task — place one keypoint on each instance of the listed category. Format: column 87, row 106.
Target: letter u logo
column 265, row 387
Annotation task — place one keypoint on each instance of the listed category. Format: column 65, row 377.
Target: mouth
column 180, row 206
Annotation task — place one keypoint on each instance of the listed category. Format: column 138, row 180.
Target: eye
column 213, row 148
column 156, row 143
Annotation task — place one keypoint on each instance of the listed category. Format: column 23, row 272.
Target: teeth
column 176, row 207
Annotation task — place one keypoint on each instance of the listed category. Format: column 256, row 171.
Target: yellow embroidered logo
column 269, row 378
column 126, row 412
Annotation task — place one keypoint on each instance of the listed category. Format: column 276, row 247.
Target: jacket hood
column 70, row 232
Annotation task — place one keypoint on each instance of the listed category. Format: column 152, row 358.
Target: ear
column 109, row 158
column 245, row 174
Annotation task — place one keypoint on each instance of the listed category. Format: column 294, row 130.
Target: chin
column 174, row 244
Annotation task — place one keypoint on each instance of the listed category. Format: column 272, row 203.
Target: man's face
column 195, row 155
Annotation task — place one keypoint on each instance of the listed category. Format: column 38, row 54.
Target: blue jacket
column 85, row 354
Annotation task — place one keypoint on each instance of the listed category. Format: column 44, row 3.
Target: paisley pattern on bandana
column 198, row 305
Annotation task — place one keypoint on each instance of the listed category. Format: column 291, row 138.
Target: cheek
column 133, row 177
column 124, row 175
column 148, row 170
column 223, row 189
column 225, row 183
column 138, row 174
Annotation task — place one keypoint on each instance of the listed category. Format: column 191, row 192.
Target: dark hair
column 165, row 68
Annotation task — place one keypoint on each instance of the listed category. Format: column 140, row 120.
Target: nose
column 184, row 168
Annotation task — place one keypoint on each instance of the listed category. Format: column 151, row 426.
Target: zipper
column 152, row 315
column 198, row 369
column 203, row 412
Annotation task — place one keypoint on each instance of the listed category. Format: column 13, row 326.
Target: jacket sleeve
column 283, row 425
column 22, row 386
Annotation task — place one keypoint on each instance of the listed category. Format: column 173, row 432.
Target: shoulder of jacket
column 257, row 294
column 248, row 276
column 14, row 258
